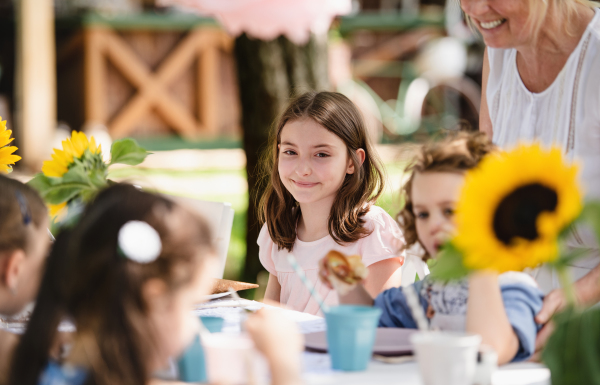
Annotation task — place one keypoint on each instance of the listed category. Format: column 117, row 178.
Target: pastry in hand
column 344, row 271
column 223, row 286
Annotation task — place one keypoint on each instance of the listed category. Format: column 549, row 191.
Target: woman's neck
column 539, row 61
column 313, row 221
column 558, row 35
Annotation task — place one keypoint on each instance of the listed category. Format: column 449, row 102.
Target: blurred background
column 203, row 99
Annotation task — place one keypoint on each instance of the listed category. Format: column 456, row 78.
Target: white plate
column 388, row 341
column 215, row 296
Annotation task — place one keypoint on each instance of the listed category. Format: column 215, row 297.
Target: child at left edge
column 325, row 177
column 500, row 308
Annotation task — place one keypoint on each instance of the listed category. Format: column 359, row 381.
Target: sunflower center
column 517, row 213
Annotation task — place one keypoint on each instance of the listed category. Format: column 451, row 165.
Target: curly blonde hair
column 456, row 153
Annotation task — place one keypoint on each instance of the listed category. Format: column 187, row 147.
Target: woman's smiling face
column 313, row 161
column 502, row 23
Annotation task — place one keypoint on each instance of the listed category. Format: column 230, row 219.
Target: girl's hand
column 274, row 334
column 278, row 338
column 324, row 272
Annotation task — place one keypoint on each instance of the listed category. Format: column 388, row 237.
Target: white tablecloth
column 317, row 366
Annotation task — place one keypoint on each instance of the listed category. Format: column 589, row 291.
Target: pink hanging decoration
column 267, row 19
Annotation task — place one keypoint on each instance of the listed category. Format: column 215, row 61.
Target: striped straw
column 415, row 308
column 309, row 285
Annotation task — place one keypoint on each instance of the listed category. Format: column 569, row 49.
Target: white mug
column 446, row 358
column 232, row 359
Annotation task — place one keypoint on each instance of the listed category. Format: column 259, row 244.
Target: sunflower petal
column 57, row 210
column 6, row 152
column 72, row 148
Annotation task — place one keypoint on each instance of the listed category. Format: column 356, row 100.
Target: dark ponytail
column 90, row 282
column 31, row 355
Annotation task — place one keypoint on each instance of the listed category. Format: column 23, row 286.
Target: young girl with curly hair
column 499, row 308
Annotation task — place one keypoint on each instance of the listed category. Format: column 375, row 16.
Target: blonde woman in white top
column 541, row 81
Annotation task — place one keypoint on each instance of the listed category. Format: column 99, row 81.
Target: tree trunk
column 35, row 93
column 269, row 73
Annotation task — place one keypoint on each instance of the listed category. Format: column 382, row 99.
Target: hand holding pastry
column 342, row 272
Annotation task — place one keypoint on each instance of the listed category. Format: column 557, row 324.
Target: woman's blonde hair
column 538, row 11
column 278, row 208
column 456, row 153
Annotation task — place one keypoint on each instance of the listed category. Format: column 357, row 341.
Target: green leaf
column 63, row 192
column 431, row 263
column 76, row 174
column 98, row 178
column 449, row 264
column 567, row 259
column 127, row 151
column 572, row 352
column 58, row 190
column 591, row 214
column 40, row 182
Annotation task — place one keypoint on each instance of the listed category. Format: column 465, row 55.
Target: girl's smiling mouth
column 304, row 184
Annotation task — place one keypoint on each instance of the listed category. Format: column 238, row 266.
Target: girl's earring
column 13, row 291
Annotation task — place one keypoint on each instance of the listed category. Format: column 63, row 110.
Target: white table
column 317, row 366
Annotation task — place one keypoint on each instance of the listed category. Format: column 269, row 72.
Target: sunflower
column 58, row 211
column 513, row 207
column 7, row 158
column 72, row 148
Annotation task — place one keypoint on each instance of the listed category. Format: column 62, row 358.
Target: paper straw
column 415, row 308
column 311, row 288
column 235, row 296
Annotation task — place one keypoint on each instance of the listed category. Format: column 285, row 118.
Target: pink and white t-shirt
column 383, row 243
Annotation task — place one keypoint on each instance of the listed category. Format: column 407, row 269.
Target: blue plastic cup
column 213, row 324
column 191, row 364
column 351, row 335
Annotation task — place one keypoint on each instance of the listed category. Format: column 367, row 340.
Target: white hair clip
column 139, row 242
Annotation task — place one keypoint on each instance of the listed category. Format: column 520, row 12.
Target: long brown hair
column 455, row 153
column 88, row 280
column 337, row 114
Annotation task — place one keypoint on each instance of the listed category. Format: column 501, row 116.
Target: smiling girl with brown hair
column 324, row 178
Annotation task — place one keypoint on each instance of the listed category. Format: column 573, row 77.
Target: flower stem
column 567, row 285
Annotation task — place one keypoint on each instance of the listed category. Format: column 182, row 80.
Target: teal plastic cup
column 351, row 335
column 213, row 324
column 191, row 364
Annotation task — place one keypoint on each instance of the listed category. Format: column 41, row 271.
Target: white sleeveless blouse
column 566, row 114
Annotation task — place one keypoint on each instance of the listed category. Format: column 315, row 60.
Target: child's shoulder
column 55, row 374
column 385, row 239
column 517, row 278
column 376, row 216
column 264, row 238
